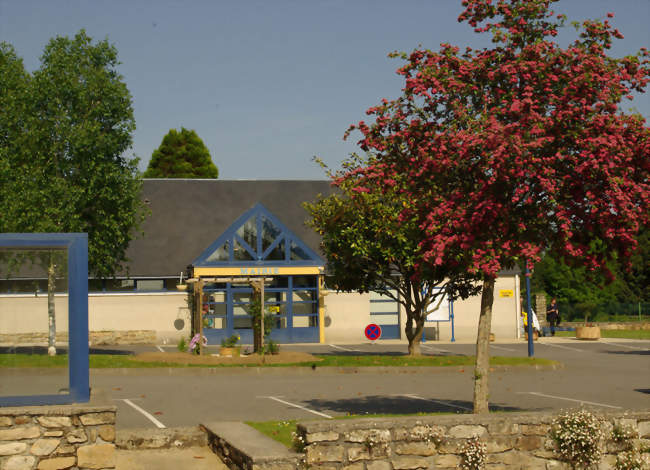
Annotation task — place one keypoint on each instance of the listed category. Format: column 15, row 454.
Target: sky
column 270, row 84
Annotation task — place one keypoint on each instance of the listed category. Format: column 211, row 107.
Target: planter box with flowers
column 229, row 346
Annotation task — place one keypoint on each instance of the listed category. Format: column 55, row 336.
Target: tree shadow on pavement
column 640, row 352
column 379, row 404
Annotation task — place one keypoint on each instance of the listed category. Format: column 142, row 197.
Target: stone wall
column 95, row 337
column 57, row 437
column 514, row 441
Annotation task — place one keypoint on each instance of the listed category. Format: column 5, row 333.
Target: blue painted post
column 451, row 314
column 78, row 328
column 531, row 348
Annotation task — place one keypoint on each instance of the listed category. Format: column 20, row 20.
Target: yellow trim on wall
column 257, row 271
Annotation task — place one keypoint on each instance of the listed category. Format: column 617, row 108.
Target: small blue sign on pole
column 373, row 332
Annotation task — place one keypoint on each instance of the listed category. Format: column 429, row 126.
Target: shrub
column 473, row 454
column 230, row 342
column 629, row 461
column 578, row 436
column 271, row 347
column 182, row 345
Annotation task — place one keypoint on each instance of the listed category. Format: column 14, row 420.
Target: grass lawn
column 102, row 361
column 278, row 430
column 629, row 334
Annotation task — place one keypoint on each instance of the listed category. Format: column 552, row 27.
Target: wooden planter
column 229, row 352
column 588, row 332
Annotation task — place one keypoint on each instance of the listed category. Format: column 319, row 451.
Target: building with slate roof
column 223, row 233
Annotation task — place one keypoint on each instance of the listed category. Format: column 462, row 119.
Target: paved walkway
column 195, row 458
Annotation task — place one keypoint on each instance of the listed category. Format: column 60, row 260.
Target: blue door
column 291, row 300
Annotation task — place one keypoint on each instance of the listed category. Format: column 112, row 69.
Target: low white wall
column 106, row 312
column 466, row 314
column 346, row 317
column 347, row 314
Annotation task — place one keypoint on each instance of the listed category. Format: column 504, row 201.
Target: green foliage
column 230, row 342
column 255, row 310
column 182, row 344
column 181, row 155
column 65, row 130
column 581, row 292
column 271, row 347
column 578, row 437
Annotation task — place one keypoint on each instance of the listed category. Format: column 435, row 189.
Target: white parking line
column 561, row 347
column 145, row 413
column 344, row 349
column 583, row 402
column 160, row 349
column 502, row 348
column 440, row 402
column 301, row 407
column 433, row 348
column 625, row 346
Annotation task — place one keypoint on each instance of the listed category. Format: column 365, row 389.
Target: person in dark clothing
column 553, row 315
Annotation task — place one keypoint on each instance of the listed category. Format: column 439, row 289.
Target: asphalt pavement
column 609, row 374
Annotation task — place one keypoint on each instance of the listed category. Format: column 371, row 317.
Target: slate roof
column 187, row 215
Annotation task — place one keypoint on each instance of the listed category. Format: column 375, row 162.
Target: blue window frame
column 296, row 318
column 76, row 245
column 258, row 238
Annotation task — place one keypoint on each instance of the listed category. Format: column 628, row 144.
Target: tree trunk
column 481, row 389
column 414, row 334
column 51, row 313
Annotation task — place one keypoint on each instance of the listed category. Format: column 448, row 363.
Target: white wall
column 346, row 317
column 106, row 312
column 347, row 314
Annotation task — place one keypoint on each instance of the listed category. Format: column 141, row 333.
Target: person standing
column 553, row 315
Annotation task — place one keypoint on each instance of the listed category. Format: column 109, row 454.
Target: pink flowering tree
column 511, row 151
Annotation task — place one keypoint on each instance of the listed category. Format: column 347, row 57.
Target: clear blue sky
column 268, row 84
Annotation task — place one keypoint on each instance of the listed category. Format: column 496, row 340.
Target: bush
column 271, row 347
column 578, row 436
column 230, row 342
column 182, row 345
column 473, row 454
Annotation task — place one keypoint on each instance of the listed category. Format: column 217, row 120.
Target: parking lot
column 608, row 374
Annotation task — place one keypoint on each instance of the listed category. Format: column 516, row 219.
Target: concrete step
column 241, row 447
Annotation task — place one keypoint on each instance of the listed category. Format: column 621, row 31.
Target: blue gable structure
column 259, row 244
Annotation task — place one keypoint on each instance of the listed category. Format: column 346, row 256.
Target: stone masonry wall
column 514, row 441
column 95, row 338
column 57, row 437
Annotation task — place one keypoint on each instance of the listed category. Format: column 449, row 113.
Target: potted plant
column 229, row 346
column 589, row 331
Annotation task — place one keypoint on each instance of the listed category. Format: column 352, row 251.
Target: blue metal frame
column 257, row 253
column 77, row 248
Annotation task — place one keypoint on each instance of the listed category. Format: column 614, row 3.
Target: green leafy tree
column 576, row 286
column 65, row 132
column 181, row 155
column 370, row 247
